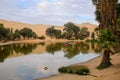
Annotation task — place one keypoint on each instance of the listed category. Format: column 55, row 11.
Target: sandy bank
column 38, row 41
column 111, row 73
column 21, row 41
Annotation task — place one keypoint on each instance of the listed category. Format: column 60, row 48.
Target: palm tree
column 109, row 14
column 106, row 40
column 108, row 21
column 97, row 3
column 106, row 13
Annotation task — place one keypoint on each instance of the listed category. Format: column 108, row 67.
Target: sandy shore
column 21, row 41
column 38, row 41
column 111, row 73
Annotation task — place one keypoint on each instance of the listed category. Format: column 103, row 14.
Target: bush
column 42, row 37
column 102, row 66
column 63, row 69
column 72, row 39
column 83, row 71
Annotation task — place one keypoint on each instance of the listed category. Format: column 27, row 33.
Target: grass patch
column 103, row 66
column 81, row 70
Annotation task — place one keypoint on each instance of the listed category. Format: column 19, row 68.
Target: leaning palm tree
column 106, row 41
column 108, row 19
column 108, row 14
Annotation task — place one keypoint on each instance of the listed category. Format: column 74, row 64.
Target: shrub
column 84, row 71
column 71, row 72
column 42, row 37
column 81, row 70
column 72, row 39
column 102, row 66
column 62, row 70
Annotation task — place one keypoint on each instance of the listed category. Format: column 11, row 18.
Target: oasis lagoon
column 28, row 61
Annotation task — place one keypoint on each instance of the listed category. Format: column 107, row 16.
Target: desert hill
column 40, row 28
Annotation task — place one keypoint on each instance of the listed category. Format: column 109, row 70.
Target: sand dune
column 41, row 28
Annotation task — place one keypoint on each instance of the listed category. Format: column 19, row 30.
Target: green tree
column 16, row 35
column 50, row 32
column 93, row 35
column 34, row 35
column 108, row 21
column 72, row 30
column 42, row 37
column 106, row 13
column 26, row 33
column 106, row 40
column 58, row 34
column 84, row 33
column 4, row 32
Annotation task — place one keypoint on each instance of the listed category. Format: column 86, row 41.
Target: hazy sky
column 55, row 12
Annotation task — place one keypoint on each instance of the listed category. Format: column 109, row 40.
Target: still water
column 28, row 61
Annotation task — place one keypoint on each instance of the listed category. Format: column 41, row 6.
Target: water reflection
column 27, row 61
column 9, row 50
column 53, row 47
column 70, row 50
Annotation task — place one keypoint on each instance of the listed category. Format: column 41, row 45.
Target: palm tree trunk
column 109, row 14
column 106, row 59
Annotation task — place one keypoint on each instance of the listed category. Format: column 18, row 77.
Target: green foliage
column 106, row 39
column 42, row 37
column 7, row 50
column 8, row 34
column 26, row 33
column 93, row 35
column 63, row 69
column 118, row 17
column 4, row 33
column 118, row 10
column 71, row 29
column 34, row 35
column 103, row 66
column 16, row 35
column 58, row 34
column 84, row 33
column 52, row 32
column 81, row 70
column 72, row 39
column 71, row 50
column 52, row 48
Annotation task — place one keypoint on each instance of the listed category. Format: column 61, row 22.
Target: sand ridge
column 40, row 29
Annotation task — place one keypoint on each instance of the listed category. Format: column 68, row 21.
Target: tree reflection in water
column 75, row 49
column 70, row 50
column 53, row 47
column 8, row 50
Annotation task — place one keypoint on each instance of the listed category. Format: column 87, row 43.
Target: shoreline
column 110, row 73
column 20, row 41
column 69, row 65
column 37, row 41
